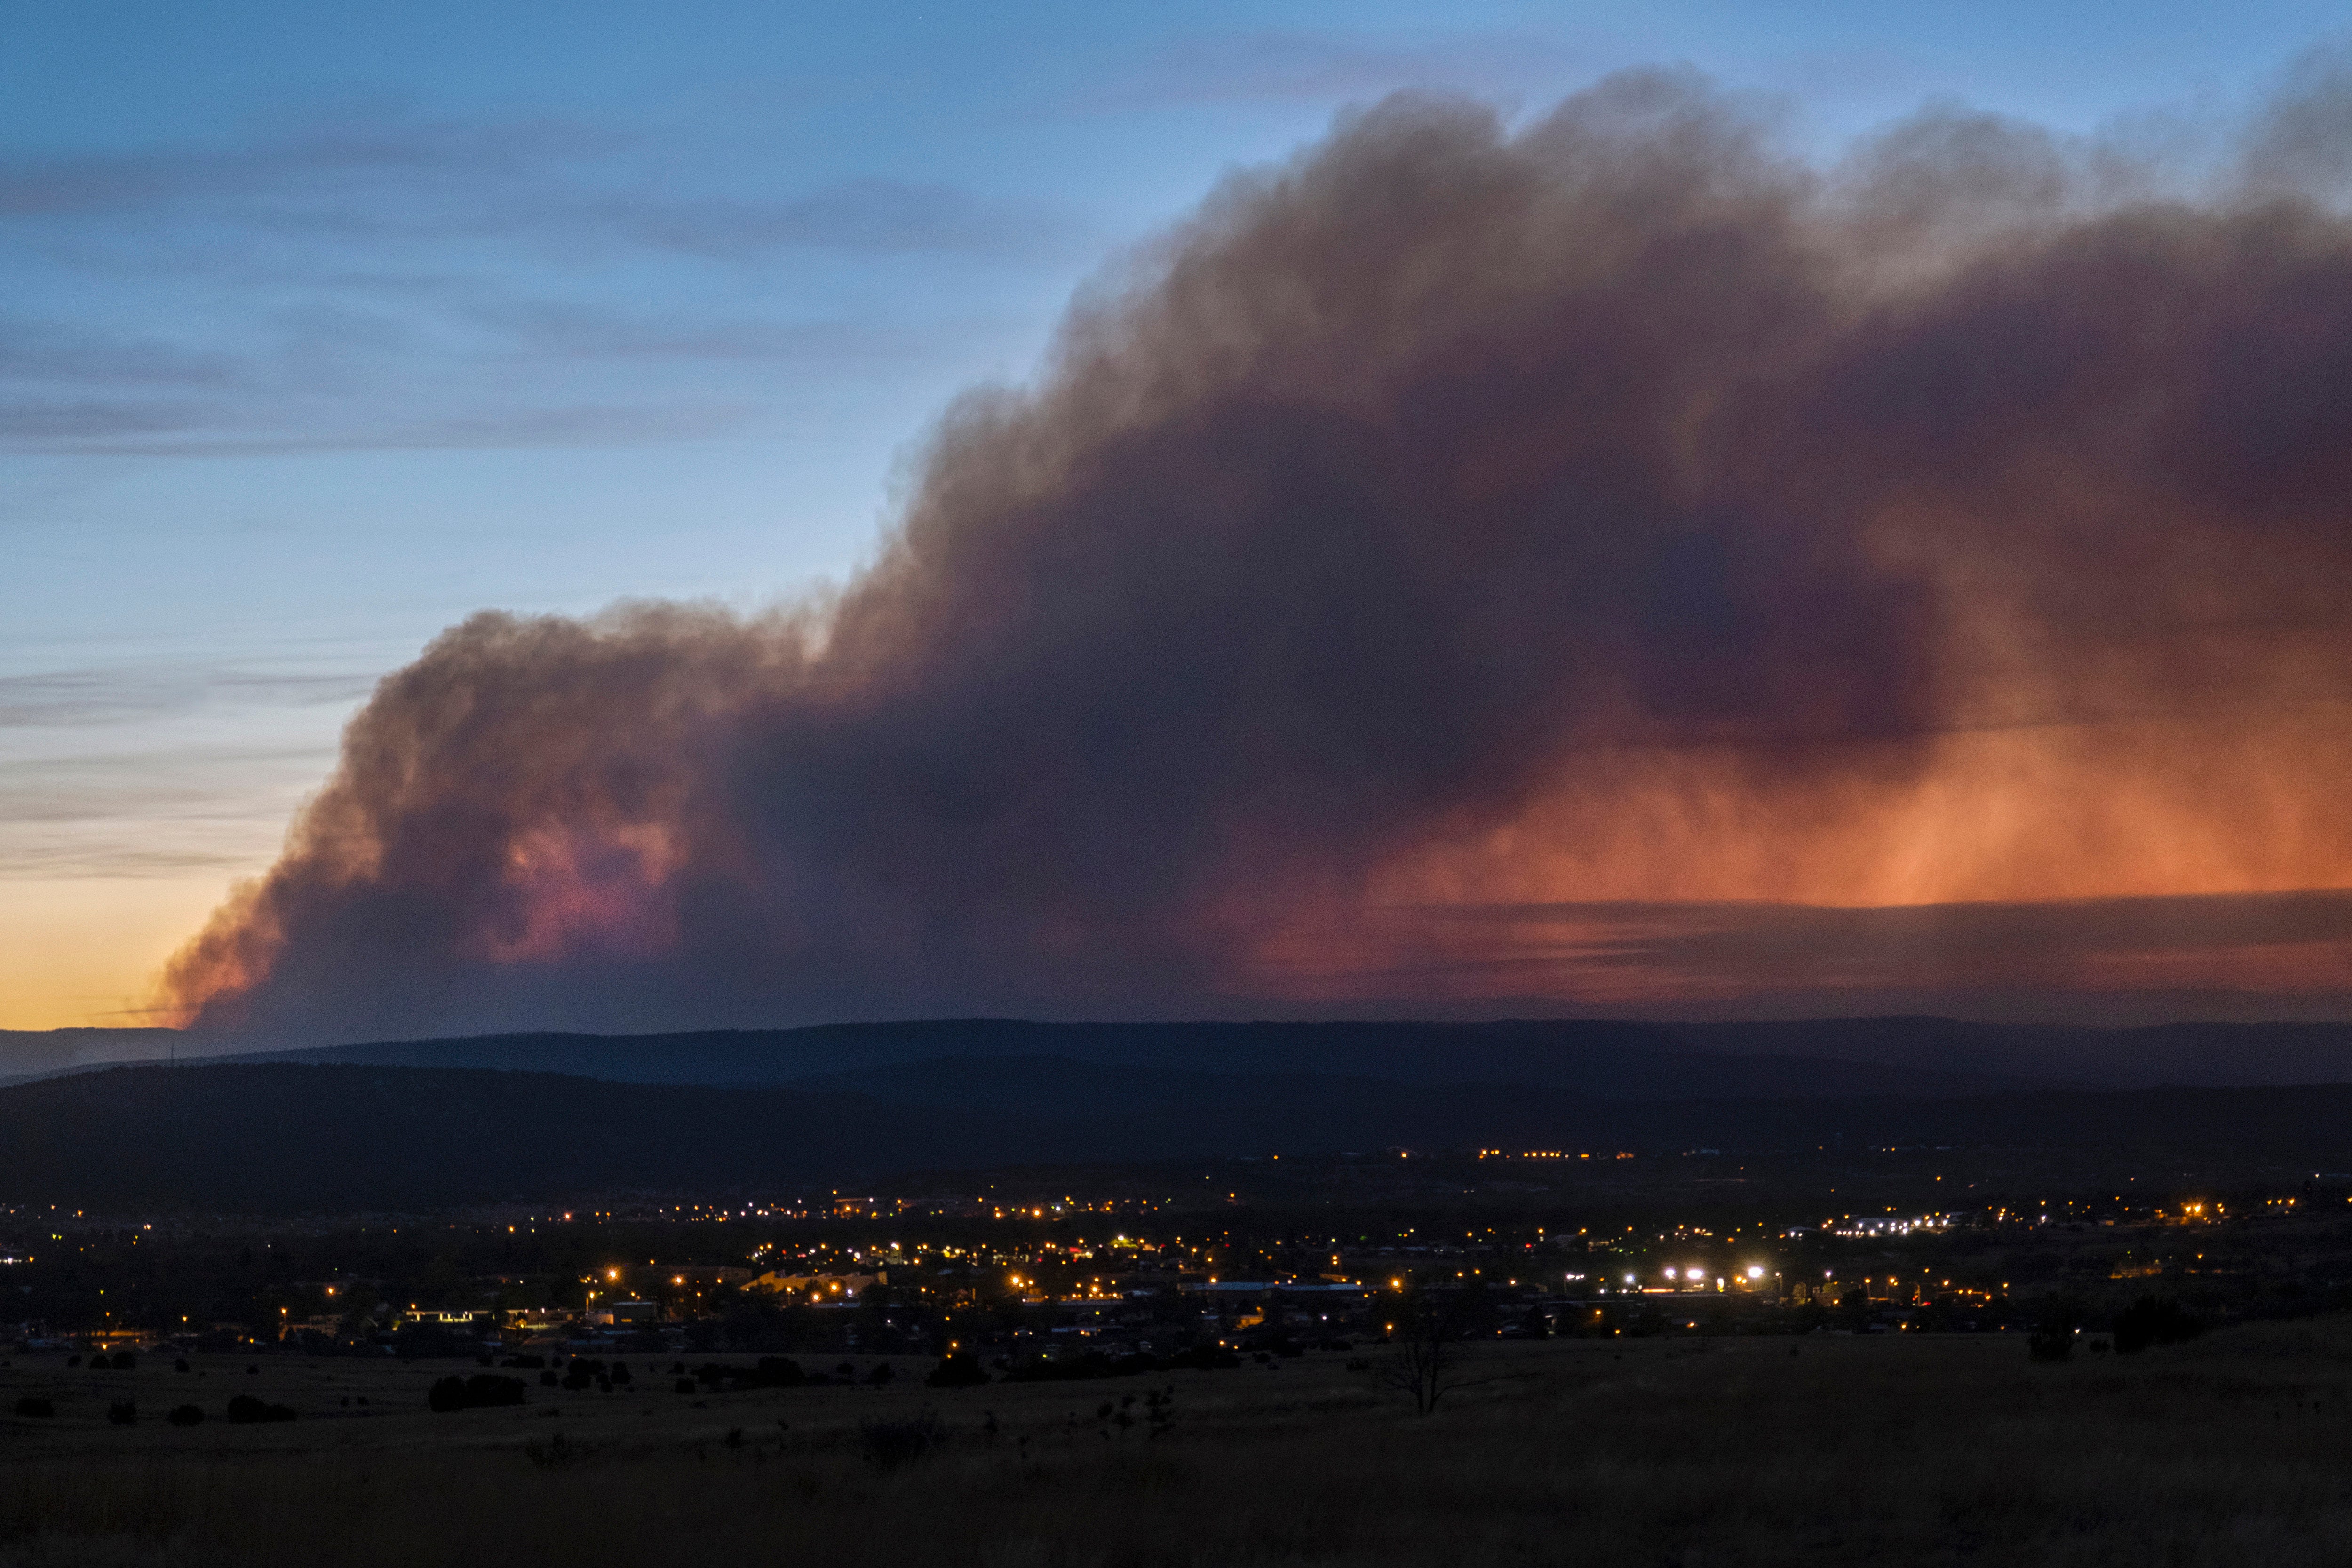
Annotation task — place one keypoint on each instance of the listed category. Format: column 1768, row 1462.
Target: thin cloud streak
column 122, row 433
column 328, row 280
column 1297, row 66
column 393, row 177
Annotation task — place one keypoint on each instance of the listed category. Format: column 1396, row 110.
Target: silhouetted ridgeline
column 1610, row 1057
column 317, row 1137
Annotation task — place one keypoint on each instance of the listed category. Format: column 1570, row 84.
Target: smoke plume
column 1433, row 573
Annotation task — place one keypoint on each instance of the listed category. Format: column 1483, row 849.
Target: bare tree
column 1426, row 1329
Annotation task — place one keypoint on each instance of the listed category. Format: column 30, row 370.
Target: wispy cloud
column 2279, row 943
column 880, row 216
column 1329, row 67
column 575, row 425
column 163, row 767
column 577, row 331
column 381, row 281
column 104, row 696
column 390, row 176
column 41, row 424
column 42, row 350
column 356, row 154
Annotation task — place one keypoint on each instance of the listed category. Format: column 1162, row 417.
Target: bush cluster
column 2153, row 1321
column 481, row 1391
column 244, row 1410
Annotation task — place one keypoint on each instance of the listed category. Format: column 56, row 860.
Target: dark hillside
column 301, row 1138
column 1614, row 1060
column 309, row 1138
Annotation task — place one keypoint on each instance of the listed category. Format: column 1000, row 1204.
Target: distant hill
column 30, row 1053
column 1834, row 1058
column 2147, row 1056
column 1610, row 1060
column 314, row 1138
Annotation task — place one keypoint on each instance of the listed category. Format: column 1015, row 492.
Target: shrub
column 778, row 1371
column 33, row 1407
column 244, row 1410
column 481, row 1391
column 961, row 1370
column 772, row 1371
column 186, row 1415
column 2054, row 1335
column 889, row 1445
column 487, row 1389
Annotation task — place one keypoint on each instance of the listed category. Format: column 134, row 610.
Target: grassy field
column 2236, row 1448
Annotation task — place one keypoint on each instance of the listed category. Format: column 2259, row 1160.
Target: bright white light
column 1756, row 1272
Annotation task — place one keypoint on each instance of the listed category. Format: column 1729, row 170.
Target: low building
column 625, row 1314
column 818, row 1289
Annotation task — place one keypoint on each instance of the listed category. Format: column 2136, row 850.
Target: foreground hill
column 1856, row 1452
column 287, row 1137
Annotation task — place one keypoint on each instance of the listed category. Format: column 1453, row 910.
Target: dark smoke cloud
column 1611, row 511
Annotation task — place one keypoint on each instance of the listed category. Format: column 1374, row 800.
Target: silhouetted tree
column 2153, row 1321
column 960, row 1369
column 2053, row 1332
column 1425, row 1332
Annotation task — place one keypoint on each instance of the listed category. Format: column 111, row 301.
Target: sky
column 323, row 328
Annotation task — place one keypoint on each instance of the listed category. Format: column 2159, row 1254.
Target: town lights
column 1756, row 1271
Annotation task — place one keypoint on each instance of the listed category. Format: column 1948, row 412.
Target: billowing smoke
column 1432, row 547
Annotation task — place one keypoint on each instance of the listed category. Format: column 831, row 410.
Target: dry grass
column 2231, row 1450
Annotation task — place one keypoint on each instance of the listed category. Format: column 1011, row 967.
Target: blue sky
column 321, row 326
